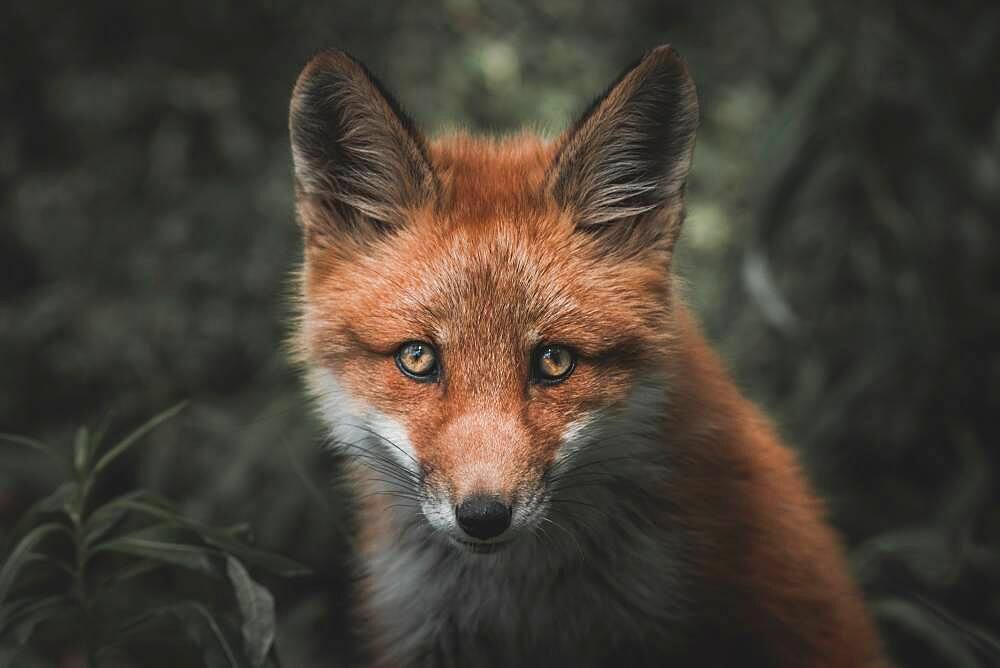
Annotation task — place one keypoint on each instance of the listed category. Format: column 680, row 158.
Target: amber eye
column 553, row 363
column 417, row 360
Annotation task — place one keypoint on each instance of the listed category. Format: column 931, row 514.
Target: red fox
column 552, row 465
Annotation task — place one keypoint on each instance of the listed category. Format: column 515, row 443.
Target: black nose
column 483, row 516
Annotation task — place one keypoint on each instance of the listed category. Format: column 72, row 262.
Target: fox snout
column 481, row 519
column 484, row 478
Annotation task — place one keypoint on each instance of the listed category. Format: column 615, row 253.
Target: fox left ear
column 360, row 164
column 621, row 170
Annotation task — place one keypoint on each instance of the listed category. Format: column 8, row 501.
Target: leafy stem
column 165, row 538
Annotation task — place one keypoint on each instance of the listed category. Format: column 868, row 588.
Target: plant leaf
column 257, row 609
column 54, row 502
column 22, row 616
column 194, row 557
column 275, row 564
column 104, row 518
column 134, row 570
column 22, row 554
column 97, row 527
column 123, row 445
column 34, row 445
column 81, row 450
column 150, row 498
column 59, row 499
column 185, row 612
column 141, row 501
column 52, row 560
column 222, row 539
column 213, row 625
column 922, row 623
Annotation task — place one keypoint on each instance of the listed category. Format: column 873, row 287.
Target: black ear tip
column 330, row 59
column 323, row 76
column 668, row 59
column 326, row 62
column 664, row 64
column 664, row 52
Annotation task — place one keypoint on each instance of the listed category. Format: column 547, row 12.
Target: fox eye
column 553, row 363
column 417, row 360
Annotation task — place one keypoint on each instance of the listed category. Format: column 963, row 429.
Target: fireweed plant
column 107, row 579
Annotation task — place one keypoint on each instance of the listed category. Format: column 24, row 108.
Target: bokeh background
column 842, row 248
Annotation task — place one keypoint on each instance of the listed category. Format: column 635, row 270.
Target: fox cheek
column 574, row 437
column 379, row 442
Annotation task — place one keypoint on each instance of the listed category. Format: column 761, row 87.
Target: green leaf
column 193, row 557
column 275, row 564
column 22, row 554
column 59, row 499
column 187, row 612
column 97, row 527
column 921, row 623
column 104, row 518
column 51, row 560
column 22, row 616
column 147, row 497
column 133, row 570
column 257, row 609
column 122, row 446
column 56, row 501
column 34, row 445
column 142, row 501
column 223, row 539
column 241, row 531
column 81, row 450
column 189, row 609
column 121, row 629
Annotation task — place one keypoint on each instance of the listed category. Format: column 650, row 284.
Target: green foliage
column 73, row 558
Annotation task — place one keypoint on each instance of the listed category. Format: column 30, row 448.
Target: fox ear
column 621, row 169
column 360, row 164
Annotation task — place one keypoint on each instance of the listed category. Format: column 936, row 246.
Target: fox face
column 481, row 317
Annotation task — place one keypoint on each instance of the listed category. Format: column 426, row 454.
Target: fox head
column 484, row 319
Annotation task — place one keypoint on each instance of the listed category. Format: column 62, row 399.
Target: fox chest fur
column 551, row 465
column 436, row 608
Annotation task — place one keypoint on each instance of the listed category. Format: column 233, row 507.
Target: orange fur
column 778, row 567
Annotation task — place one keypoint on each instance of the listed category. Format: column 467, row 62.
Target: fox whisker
column 404, row 483
column 551, row 521
column 382, row 438
column 385, row 464
column 400, row 495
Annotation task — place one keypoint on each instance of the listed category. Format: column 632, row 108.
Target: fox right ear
column 360, row 164
column 622, row 168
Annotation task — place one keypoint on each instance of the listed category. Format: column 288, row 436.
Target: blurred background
column 842, row 248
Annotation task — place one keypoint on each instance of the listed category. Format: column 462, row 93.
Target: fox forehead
column 481, row 178
column 494, row 262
